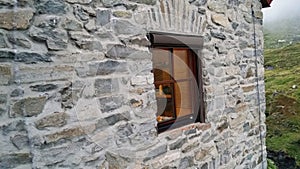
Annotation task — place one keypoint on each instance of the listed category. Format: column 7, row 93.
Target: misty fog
column 282, row 9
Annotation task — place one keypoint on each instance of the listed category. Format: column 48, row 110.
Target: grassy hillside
column 282, row 77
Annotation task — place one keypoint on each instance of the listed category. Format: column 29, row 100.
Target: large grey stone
column 15, row 126
column 6, row 73
column 20, row 141
column 156, row 152
column 186, row 162
column 43, row 87
column 89, row 44
column 3, row 98
column 56, row 45
column 14, row 159
column 111, row 103
column 127, row 28
column 31, row 57
column 7, row 2
column 72, row 25
column 220, row 19
column 218, row 35
column 18, row 39
column 25, row 57
column 103, row 17
column 51, row 7
column 177, row 144
column 122, row 14
column 17, row 92
column 217, row 6
column 28, row 107
column 3, row 43
column 57, row 119
column 106, row 86
column 111, row 3
column 79, row 1
column 113, row 119
column 147, row 2
column 107, row 67
column 16, row 18
column 120, row 52
column 80, row 13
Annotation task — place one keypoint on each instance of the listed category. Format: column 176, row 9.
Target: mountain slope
column 282, row 77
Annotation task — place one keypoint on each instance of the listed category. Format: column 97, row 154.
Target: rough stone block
column 111, row 103
column 220, row 19
column 90, row 44
column 69, row 133
column 177, row 144
column 217, row 35
column 79, row 1
column 91, row 26
column 57, row 119
column 18, row 126
column 3, row 98
column 138, row 81
column 113, row 119
column 56, row 45
column 107, row 67
column 156, row 152
column 28, row 74
column 72, row 25
column 31, row 57
column 19, row 39
column 219, row 7
column 14, row 159
column 20, row 141
column 125, row 27
column 186, row 162
column 122, row 14
column 43, row 87
column 51, row 7
column 28, row 107
column 26, row 57
column 3, row 43
column 6, row 74
column 147, row 2
column 16, row 18
column 106, row 86
column 111, row 3
column 103, row 17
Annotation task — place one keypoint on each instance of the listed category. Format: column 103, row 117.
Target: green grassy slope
column 283, row 99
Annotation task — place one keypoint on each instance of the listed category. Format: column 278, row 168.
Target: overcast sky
column 282, row 9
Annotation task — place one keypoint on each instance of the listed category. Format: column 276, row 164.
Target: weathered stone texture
column 15, row 19
column 54, row 120
column 76, row 88
column 28, row 107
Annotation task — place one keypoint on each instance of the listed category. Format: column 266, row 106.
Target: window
column 177, row 79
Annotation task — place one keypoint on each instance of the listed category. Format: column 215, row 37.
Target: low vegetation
column 282, row 77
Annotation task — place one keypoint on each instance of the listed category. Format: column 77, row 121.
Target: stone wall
column 77, row 89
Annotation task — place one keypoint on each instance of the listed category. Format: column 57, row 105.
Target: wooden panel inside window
column 183, row 98
column 181, row 64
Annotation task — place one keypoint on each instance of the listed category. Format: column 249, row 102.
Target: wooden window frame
column 194, row 44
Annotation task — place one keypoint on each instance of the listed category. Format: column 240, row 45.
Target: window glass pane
column 165, row 102
column 183, row 98
column 162, row 64
column 181, row 64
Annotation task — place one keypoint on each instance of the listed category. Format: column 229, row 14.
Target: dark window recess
column 177, row 79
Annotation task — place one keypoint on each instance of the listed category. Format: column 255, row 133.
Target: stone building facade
column 77, row 88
